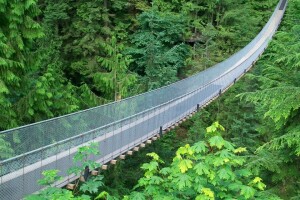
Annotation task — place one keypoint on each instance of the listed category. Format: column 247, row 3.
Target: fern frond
column 279, row 102
column 290, row 140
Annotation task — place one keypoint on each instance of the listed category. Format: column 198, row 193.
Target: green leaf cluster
column 209, row 169
column 84, row 187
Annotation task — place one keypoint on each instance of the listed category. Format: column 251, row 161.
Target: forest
column 62, row 56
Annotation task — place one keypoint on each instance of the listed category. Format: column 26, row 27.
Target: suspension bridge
column 122, row 126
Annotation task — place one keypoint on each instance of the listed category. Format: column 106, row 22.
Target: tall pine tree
column 18, row 29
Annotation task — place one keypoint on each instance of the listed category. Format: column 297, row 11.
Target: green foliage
column 48, row 96
column 56, row 194
column 5, row 148
column 277, row 100
column 158, row 51
column 90, row 186
column 106, row 196
column 210, row 169
column 81, row 159
column 50, row 177
column 88, row 27
column 281, row 104
column 113, row 76
column 82, row 163
column 17, row 32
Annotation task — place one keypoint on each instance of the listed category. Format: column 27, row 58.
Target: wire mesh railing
column 118, row 126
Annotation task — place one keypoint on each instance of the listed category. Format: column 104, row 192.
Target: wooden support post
column 142, row 145
column 149, row 141
column 94, row 172
column 136, row 149
column 104, row 167
column 113, row 162
column 129, row 153
column 122, row 157
column 81, row 178
column 71, row 186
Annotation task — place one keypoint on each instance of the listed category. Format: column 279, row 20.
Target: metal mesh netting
column 121, row 125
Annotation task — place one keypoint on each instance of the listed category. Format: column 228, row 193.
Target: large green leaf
column 217, row 141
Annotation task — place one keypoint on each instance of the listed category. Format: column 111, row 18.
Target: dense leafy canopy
column 210, row 169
